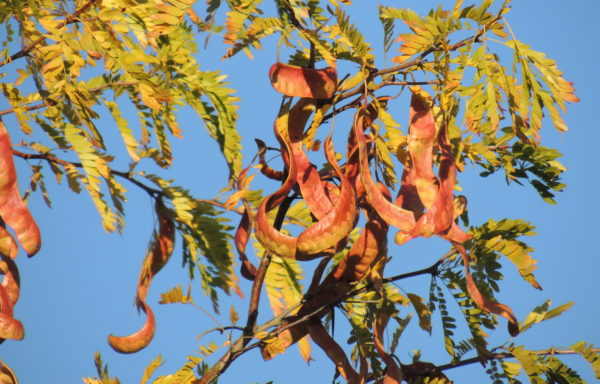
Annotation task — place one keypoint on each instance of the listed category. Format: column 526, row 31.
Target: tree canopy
column 370, row 141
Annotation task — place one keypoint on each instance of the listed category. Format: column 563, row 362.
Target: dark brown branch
column 125, row 175
column 69, row 20
column 239, row 346
column 53, row 159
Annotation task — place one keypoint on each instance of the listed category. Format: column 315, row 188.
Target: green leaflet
column 493, row 239
column 592, row 357
column 259, row 29
column 175, row 295
column 219, row 114
column 95, row 167
column 151, row 368
column 347, row 34
column 206, row 239
column 131, row 143
column 542, row 313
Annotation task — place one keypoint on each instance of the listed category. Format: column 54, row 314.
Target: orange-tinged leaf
column 297, row 81
column 304, row 347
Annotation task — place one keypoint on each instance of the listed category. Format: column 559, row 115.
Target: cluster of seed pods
column 14, row 214
column 424, row 206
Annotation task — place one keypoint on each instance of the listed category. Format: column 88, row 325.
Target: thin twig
column 508, row 355
column 125, row 175
column 53, row 159
column 69, row 20
column 49, row 102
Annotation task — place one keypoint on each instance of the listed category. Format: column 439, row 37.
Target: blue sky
column 80, row 286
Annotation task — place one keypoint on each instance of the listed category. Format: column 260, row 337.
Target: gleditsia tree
column 467, row 108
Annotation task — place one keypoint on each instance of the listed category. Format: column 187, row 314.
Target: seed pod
column 483, row 302
column 157, row 256
column 13, row 210
column 160, row 250
column 333, row 350
column 11, row 279
column 389, row 212
column 10, row 328
column 137, row 340
column 297, row 81
column 8, row 245
column 7, row 376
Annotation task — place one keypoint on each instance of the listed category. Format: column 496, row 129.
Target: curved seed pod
column 13, row 210
column 421, row 138
column 11, row 280
column 482, row 301
column 393, row 373
column 408, row 196
column 7, row 376
column 339, row 222
column 370, row 245
column 137, row 340
column 157, row 256
column 307, row 176
column 333, row 350
column 273, row 240
column 242, row 234
column 8, row 245
column 391, row 213
column 297, row 81
column 265, row 168
column 440, row 216
column 10, row 328
column 160, row 250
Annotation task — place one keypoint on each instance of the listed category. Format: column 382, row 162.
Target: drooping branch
column 72, row 18
column 125, row 175
column 49, row 102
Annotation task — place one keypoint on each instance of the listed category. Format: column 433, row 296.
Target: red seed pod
column 292, row 80
column 13, row 210
column 137, row 340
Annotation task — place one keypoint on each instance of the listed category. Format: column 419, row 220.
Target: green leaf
column 592, row 357
column 149, row 371
column 175, row 295
column 422, row 310
column 542, row 313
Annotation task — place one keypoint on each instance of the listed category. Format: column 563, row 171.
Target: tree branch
column 69, row 20
column 92, row 90
column 508, row 355
column 125, row 175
